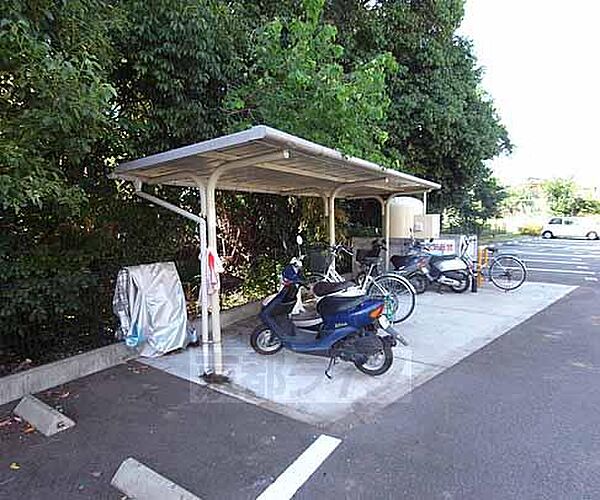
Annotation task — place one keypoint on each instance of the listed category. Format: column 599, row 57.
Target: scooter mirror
column 299, row 240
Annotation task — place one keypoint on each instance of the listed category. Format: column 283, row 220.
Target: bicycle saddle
column 323, row 288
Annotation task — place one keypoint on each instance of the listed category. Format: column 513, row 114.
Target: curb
column 60, row 372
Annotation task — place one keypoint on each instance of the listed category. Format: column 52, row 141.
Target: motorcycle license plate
column 384, row 322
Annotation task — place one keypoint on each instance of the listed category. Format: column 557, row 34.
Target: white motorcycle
column 453, row 271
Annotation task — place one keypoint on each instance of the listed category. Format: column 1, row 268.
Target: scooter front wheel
column 265, row 342
column 464, row 282
column 379, row 363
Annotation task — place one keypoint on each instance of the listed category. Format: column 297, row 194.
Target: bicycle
column 396, row 291
column 506, row 272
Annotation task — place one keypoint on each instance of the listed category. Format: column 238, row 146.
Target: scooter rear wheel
column 419, row 282
column 379, row 363
column 264, row 342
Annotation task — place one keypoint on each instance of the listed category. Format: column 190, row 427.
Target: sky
column 542, row 68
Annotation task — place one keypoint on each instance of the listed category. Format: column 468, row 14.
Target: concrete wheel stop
column 137, row 481
column 44, row 418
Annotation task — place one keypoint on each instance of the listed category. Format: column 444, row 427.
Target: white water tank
column 403, row 210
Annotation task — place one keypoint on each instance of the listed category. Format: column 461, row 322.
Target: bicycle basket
column 368, row 256
column 318, row 259
column 366, row 263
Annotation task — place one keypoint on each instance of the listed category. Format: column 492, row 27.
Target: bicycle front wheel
column 507, row 272
column 397, row 293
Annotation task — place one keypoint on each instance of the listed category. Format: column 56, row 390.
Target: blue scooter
column 354, row 329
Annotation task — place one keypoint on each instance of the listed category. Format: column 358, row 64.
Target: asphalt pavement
column 566, row 261
column 520, row 418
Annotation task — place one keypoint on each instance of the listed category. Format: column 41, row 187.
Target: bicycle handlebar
column 339, row 247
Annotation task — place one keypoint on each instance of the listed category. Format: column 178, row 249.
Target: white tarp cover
column 157, row 309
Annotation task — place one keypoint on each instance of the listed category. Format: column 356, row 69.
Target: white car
column 571, row 227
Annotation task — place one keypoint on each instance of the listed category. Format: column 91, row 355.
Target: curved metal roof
column 265, row 160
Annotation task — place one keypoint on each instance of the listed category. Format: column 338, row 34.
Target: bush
column 531, row 230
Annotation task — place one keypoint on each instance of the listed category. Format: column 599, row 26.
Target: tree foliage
column 441, row 124
column 85, row 84
column 560, row 194
column 297, row 83
column 519, row 199
column 54, row 98
column 562, row 198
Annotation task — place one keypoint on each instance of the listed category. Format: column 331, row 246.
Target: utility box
column 427, row 226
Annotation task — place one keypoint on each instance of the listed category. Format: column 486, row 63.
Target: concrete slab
column 137, row 481
column 443, row 330
column 44, row 418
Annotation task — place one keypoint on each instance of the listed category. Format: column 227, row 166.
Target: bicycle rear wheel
column 397, row 293
column 507, row 272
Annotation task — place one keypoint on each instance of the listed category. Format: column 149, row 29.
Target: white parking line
column 552, row 254
column 290, row 481
column 548, row 261
column 590, row 278
column 570, row 271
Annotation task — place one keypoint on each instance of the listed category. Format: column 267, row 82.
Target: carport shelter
column 263, row 160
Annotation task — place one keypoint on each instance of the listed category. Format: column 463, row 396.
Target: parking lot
column 511, row 395
column 567, row 261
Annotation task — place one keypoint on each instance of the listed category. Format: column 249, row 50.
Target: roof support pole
column 325, row 205
column 424, row 202
column 327, row 221
column 202, row 190
column 203, row 278
column 331, row 210
column 215, row 312
column 211, row 222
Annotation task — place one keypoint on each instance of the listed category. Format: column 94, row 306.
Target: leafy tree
column 177, row 60
column 297, row 83
column 560, row 194
column 55, row 98
column 440, row 124
column 518, row 199
column 562, row 198
column 586, row 206
column 479, row 204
